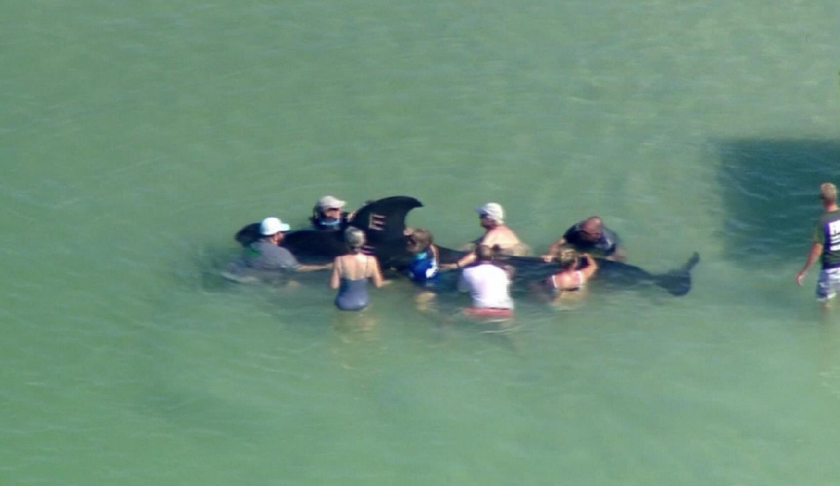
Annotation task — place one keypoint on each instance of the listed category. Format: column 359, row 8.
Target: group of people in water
column 482, row 275
column 485, row 278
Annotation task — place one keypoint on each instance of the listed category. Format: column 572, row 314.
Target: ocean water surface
column 137, row 137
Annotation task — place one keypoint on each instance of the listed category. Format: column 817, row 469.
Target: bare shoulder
column 502, row 235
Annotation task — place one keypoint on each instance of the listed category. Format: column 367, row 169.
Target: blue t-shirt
column 423, row 269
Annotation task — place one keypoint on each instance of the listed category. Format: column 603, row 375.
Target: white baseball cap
column 330, row 202
column 272, row 226
column 492, row 211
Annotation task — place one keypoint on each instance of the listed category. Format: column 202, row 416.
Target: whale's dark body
column 383, row 222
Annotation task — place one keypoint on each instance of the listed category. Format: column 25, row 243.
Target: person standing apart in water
column 351, row 272
column 825, row 245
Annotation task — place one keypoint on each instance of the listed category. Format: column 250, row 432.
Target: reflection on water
column 770, row 190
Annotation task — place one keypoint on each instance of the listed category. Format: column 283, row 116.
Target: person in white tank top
column 487, row 283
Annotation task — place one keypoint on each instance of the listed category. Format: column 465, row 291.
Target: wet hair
column 355, row 239
column 567, row 258
column 419, row 240
column 484, row 253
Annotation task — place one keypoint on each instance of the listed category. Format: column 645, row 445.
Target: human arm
column 509, row 270
column 618, row 255
column 816, row 251
column 465, row 260
column 375, row 272
column 591, row 266
column 552, row 249
column 611, row 246
column 312, row 268
column 460, row 263
column 334, row 276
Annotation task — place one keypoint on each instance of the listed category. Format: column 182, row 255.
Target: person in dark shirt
column 825, row 245
column 589, row 236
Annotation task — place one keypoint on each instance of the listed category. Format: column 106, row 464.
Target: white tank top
column 488, row 285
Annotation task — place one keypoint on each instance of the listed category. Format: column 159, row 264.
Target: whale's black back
column 383, row 222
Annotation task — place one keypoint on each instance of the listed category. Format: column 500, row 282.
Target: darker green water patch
column 770, row 196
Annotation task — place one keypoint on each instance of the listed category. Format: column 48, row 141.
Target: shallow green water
column 136, row 137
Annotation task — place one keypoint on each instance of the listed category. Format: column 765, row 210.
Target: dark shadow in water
column 770, row 190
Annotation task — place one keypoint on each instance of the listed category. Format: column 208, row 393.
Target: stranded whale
column 383, row 222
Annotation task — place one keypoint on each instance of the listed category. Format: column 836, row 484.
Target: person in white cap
column 328, row 215
column 266, row 254
column 501, row 239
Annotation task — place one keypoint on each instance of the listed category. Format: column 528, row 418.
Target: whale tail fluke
column 678, row 282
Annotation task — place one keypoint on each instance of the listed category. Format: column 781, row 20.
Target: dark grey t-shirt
column 606, row 245
column 265, row 255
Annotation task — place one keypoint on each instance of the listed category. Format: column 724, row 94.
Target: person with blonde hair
column 423, row 268
column 570, row 278
column 825, row 245
column 351, row 272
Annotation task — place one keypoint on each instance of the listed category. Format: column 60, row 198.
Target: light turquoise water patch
column 137, row 137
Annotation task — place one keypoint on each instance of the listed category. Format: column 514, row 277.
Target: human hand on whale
column 383, row 222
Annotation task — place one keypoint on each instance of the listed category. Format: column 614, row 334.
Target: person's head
column 567, row 258
column 591, row 229
column 355, row 239
column 484, row 253
column 828, row 194
column 419, row 240
column 328, row 209
column 491, row 215
column 272, row 228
